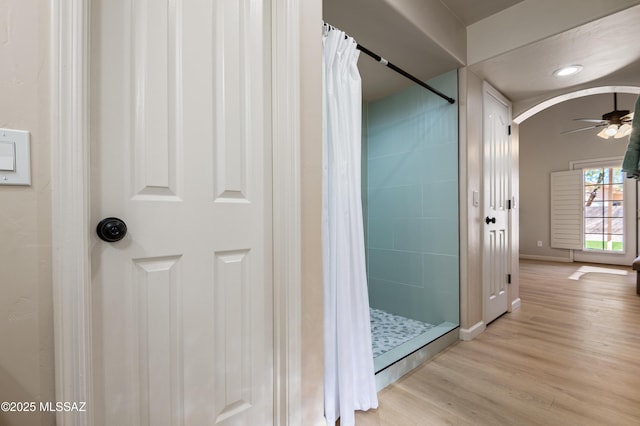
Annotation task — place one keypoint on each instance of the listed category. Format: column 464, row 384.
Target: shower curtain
column 349, row 381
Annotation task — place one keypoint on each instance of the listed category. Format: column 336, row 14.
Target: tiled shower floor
column 389, row 331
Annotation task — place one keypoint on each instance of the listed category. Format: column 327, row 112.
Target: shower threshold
column 393, row 337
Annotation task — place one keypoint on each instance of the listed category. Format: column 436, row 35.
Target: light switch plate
column 18, row 141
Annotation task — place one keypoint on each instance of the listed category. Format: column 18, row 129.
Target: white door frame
column 71, row 194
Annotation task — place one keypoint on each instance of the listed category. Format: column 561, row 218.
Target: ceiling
column 563, row 117
column 607, row 48
column 471, row 11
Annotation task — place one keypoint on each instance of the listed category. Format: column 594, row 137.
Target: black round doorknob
column 111, row 229
column 489, row 220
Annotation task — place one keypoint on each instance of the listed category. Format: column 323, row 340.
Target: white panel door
column 181, row 151
column 496, row 189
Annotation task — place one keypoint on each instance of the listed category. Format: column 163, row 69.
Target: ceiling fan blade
column 579, row 130
column 590, row 120
column 627, row 117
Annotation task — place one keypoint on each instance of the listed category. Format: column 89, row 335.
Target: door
column 496, row 190
column 181, row 152
column 609, row 213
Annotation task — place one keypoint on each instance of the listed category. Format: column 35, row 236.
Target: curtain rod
column 397, row 69
column 402, row 72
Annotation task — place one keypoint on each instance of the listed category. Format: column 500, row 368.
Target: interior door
column 496, row 190
column 181, row 152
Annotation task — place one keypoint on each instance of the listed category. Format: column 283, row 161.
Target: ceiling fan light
column 603, row 134
column 611, row 130
column 623, row 131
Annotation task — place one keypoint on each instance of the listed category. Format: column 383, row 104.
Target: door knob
column 489, row 220
column 111, row 229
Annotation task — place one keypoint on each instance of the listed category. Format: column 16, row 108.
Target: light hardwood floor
column 569, row 356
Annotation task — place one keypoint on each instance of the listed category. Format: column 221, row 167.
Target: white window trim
column 606, row 161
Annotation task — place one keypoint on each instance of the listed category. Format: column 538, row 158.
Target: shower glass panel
column 410, row 198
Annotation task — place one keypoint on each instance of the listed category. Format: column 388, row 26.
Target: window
column 592, row 209
column 604, row 209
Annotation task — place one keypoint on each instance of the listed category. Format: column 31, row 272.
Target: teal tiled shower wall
column 410, row 197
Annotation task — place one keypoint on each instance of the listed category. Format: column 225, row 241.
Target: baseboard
column 545, row 258
column 472, row 332
column 515, row 305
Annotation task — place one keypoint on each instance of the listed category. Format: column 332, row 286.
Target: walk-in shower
column 410, row 208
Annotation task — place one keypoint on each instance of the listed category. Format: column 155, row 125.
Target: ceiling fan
column 616, row 123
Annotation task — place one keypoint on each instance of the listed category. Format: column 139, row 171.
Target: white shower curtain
column 349, row 381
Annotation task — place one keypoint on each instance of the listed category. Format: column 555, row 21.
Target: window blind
column 566, row 209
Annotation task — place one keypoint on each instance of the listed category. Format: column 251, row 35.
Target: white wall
column 26, row 319
column 470, row 158
column 544, row 150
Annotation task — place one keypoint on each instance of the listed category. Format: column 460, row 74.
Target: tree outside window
column 604, row 209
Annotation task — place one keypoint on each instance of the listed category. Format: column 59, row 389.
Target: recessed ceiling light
column 569, row 70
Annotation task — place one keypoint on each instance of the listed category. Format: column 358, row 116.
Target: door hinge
column 508, row 204
column 508, row 278
column 509, row 129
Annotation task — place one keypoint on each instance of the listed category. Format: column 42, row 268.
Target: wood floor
column 569, row 356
